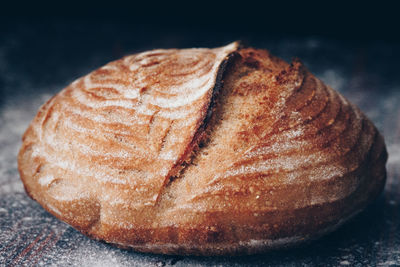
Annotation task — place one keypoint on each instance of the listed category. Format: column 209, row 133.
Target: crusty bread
column 202, row 151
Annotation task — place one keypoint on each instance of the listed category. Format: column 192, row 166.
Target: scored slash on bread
column 202, row 151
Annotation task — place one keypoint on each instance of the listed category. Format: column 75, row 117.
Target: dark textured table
column 38, row 59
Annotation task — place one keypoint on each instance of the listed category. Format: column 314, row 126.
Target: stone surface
column 37, row 60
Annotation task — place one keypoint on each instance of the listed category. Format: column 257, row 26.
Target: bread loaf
column 202, row 151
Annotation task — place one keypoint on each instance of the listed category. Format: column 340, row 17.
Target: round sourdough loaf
column 202, row 151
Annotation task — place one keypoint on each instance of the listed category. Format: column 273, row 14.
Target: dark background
column 350, row 20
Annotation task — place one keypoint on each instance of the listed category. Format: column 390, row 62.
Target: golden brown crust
column 152, row 152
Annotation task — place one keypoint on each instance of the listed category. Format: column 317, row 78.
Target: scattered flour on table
column 394, row 154
column 333, row 79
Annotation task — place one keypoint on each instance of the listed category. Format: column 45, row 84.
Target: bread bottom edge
column 253, row 246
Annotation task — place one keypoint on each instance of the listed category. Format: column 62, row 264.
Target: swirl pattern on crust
column 168, row 151
column 134, row 118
